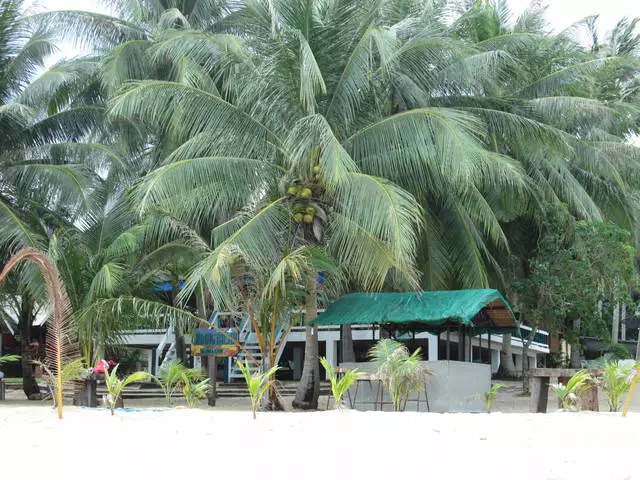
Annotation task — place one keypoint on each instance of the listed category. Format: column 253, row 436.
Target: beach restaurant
column 472, row 316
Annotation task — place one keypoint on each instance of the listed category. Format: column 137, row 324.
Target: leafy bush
column 619, row 352
column 257, row 383
column 615, row 382
column 491, row 394
column 170, row 378
column 568, row 394
column 71, row 371
column 174, row 377
column 400, row 372
column 339, row 387
column 115, row 386
column 194, row 388
column 9, row 358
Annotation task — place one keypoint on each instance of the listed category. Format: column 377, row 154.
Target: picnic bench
column 542, row 378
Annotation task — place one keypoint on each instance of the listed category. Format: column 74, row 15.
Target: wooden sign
column 213, row 342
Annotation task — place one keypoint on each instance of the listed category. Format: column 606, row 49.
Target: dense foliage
column 242, row 146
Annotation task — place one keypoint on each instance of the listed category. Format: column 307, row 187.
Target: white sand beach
column 216, row 443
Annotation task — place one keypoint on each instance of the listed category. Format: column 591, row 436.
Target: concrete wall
column 453, row 387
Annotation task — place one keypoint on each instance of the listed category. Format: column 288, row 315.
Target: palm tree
column 293, row 145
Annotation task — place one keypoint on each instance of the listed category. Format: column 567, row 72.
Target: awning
column 480, row 310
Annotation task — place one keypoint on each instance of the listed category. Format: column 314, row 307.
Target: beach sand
column 222, row 443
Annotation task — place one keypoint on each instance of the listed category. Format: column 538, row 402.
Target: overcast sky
column 560, row 13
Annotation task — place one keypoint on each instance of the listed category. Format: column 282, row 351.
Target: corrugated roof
column 484, row 310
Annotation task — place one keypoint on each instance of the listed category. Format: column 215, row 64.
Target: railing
column 541, row 337
column 160, row 348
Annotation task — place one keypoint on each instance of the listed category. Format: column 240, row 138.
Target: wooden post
column 213, row 378
column 460, row 345
column 539, row 394
column 449, row 343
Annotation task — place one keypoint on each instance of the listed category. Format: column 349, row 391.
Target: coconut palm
column 293, row 144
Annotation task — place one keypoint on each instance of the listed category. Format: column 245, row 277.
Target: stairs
column 234, row 390
column 248, row 339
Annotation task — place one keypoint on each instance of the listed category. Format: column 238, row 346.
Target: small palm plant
column 568, row 394
column 9, row 358
column 257, row 383
column 615, row 382
column 71, row 371
column 115, row 385
column 170, row 379
column 490, row 395
column 341, row 386
column 399, row 371
column 194, row 387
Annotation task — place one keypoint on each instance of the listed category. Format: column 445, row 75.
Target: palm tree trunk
column 526, row 390
column 309, row 386
column 348, row 353
column 507, row 365
column 29, row 383
column 575, row 345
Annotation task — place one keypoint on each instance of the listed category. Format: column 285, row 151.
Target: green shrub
column 615, row 382
column 339, row 387
column 400, row 372
column 115, row 386
column 194, row 387
column 170, row 379
column 9, row 358
column 257, row 383
column 491, row 394
column 568, row 394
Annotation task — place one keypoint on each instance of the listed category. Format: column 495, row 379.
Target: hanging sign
column 213, row 342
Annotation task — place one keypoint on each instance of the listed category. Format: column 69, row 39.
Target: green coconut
column 308, row 218
column 298, row 217
column 306, row 193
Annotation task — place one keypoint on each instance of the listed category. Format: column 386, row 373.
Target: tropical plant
column 9, row 358
column 60, row 347
column 568, row 394
column 268, row 127
column 616, row 381
column 170, row 378
column 399, row 371
column 175, row 376
column 194, row 387
column 71, row 371
column 257, row 383
column 115, row 385
column 490, row 395
column 339, row 386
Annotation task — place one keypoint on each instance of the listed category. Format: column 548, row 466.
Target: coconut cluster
column 303, row 211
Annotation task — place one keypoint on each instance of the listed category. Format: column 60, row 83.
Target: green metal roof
column 484, row 310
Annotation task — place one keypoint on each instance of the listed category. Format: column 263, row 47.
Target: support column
column 623, row 323
column 433, row 347
column 615, row 324
column 495, row 361
column 518, row 363
column 331, row 349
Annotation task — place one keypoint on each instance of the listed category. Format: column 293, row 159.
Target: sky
column 560, row 13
